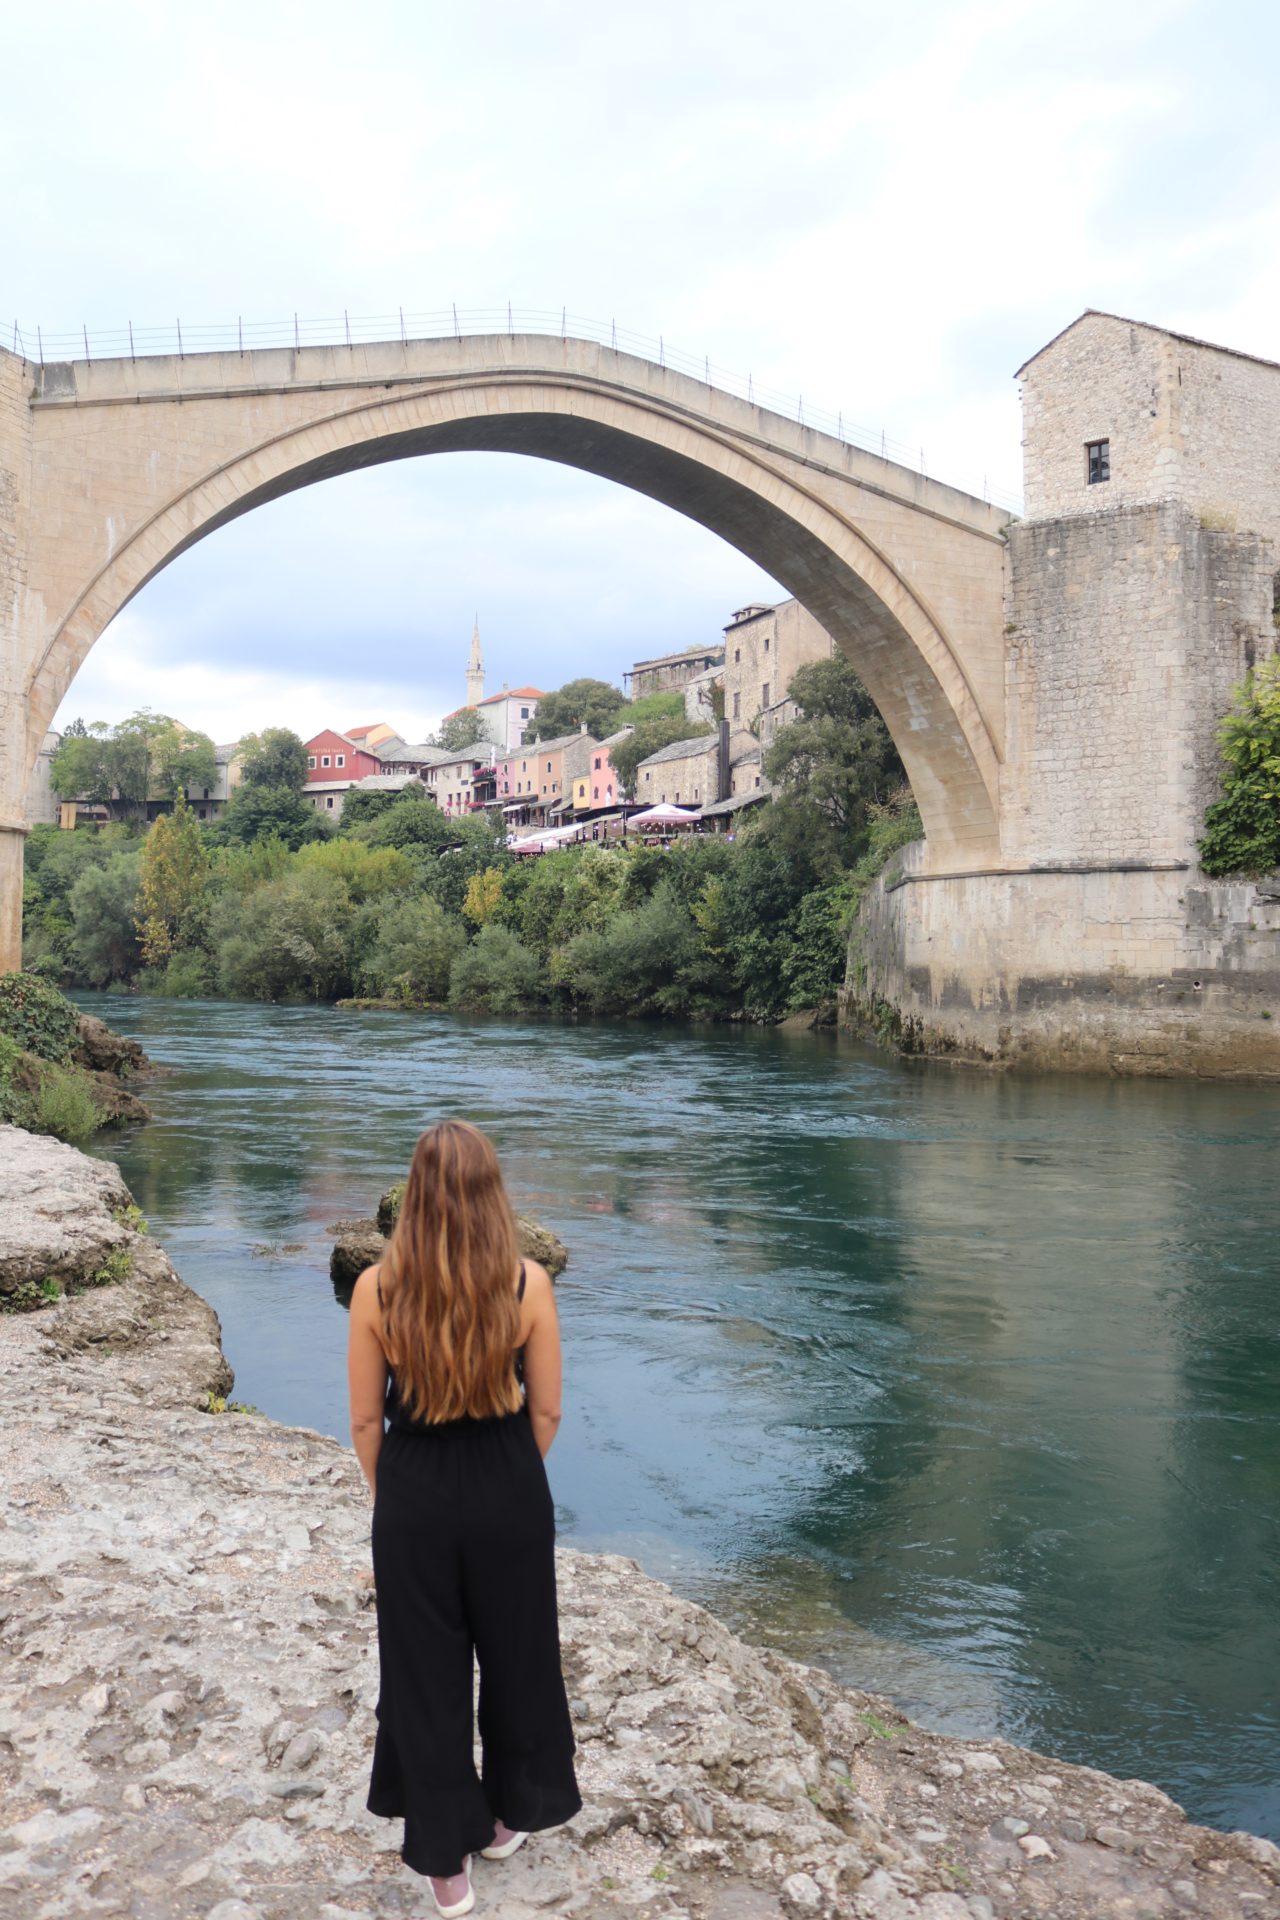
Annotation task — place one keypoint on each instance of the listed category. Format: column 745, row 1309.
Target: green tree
column 461, row 730
column 147, row 756
column 595, row 701
column 412, row 820
column 173, row 892
column 290, row 939
column 837, row 760
column 363, row 805
column 276, row 757
column 268, row 813
column 648, row 737
column 369, row 872
column 653, row 706
column 413, row 952
column 104, row 906
column 497, row 974
column 1242, row 829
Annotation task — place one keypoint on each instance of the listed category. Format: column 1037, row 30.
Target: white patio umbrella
column 664, row 816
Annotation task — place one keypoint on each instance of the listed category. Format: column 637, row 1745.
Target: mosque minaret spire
column 475, row 668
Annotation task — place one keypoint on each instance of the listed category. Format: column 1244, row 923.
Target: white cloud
column 886, row 210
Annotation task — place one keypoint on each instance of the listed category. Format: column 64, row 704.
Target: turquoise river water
column 965, row 1388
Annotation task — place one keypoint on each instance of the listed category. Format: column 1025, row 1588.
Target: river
column 964, row 1388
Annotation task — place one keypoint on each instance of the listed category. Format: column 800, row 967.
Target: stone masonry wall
column 1126, row 632
column 15, row 459
column 1111, row 972
column 691, row 780
column 1195, row 423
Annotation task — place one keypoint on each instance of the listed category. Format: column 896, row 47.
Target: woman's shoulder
column 536, row 1281
column 368, row 1291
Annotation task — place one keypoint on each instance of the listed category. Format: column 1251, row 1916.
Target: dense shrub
column 412, row 952
column 1242, row 829
column 186, row 976
column 287, row 940
column 65, row 1106
column 104, row 903
column 497, row 974
column 36, row 1017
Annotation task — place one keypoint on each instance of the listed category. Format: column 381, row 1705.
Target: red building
column 332, row 757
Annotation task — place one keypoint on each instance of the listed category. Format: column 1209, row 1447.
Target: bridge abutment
column 1095, row 942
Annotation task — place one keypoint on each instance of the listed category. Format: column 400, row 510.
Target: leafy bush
column 187, row 976
column 287, row 940
column 36, row 1017
column 1242, row 830
column 412, row 952
column 104, row 913
column 497, row 974
column 65, row 1106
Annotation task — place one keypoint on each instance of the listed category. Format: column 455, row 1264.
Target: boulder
column 103, row 1051
column 359, row 1243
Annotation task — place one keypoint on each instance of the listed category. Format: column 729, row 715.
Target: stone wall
column 1126, row 632
column 761, row 653
column 685, row 780
column 1109, row 971
column 1185, row 421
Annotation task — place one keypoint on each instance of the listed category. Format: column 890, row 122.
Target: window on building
column 597, row 767
column 1097, row 455
column 595, row 793
column 311, row 760
column 206, row 795
column 757, row 779
column 329, row 803
column 548, row 766
column 648, row 776
column 737, row 706
column 677, row 798
column 737, row 655
column 324, row 760
column 609, row 792
column 766, row 643
column 341, row 760
column 764, row 694
column 524, row 713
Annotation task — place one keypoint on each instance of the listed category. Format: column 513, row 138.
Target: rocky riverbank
column 190, row 1668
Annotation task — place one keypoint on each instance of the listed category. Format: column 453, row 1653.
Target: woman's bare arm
column 542, row 1373
column 366, row 1374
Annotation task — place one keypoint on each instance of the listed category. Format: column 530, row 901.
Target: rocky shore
column 189, row 1670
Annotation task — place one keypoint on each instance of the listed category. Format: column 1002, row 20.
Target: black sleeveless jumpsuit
column 463, row 1562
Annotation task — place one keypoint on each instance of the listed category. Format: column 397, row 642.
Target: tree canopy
column 149, row 756
column 1242, row 829
column 601, row 705
column 276, row 757
column 461, row 730
column 834, row 763
column 264, row 813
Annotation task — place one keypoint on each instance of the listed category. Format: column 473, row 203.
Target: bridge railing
column 353, row 330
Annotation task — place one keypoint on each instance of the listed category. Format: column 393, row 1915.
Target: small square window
column 1097, row 454
column 324, row 760
column 341, row 760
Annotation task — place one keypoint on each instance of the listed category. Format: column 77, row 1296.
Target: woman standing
column 454, row 1343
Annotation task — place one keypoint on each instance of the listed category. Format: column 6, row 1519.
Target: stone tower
column 475, row 668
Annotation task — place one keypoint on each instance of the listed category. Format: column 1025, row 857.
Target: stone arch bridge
column 110, row 468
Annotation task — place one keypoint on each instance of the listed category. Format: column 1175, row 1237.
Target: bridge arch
column 774, row 491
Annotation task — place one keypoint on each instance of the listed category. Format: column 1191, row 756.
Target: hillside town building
column 673, row 672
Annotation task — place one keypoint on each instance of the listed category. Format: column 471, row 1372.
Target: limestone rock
column 103, row 1051
column 161, row 1656
column 359, row 1243
column 57, row 1212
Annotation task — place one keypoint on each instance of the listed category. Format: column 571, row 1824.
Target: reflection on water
column 965, row 1388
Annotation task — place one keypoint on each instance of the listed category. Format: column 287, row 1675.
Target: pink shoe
column 453, row 1893
column 504, row 1843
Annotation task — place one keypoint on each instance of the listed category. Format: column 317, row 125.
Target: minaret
column 475, row 669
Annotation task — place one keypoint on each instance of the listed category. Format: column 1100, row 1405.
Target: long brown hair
column 452, row 1319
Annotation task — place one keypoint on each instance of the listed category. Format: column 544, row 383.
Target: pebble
column 1011, row 1825
column 981, row 1762
column 1036, row 1847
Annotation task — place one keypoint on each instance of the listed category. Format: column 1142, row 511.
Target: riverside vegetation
column 406, row 905
column 62, row 1072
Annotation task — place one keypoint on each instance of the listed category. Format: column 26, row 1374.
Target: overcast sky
column 885, row 208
